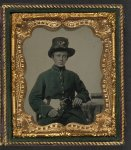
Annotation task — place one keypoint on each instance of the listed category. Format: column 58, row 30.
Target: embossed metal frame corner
column 103, row 20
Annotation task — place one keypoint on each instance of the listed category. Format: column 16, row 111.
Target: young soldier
column 53, row 95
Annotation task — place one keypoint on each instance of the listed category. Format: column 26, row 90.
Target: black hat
column 60, row 44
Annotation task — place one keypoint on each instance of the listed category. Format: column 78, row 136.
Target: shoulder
column 72, row 73
column 44, row 73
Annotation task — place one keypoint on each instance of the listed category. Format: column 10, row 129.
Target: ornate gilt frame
column 103, row 24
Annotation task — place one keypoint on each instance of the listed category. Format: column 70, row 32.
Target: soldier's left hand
column 76, row 102
column 62, row 104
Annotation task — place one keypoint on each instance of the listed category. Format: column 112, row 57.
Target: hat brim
column 70, row 51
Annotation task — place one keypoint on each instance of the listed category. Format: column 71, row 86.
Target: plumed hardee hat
column 60, row 44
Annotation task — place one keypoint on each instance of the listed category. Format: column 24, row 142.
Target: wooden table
column 93, row 107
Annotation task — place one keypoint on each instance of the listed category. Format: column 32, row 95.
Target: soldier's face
column 60, row 58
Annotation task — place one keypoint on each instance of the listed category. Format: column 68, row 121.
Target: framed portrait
column 92, row 39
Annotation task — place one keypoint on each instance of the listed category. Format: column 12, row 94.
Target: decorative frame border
column 0, row 77
column 112, row 64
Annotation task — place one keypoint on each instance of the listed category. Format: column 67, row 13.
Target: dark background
column 127, row 73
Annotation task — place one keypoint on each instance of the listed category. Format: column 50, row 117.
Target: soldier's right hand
column 53, row 113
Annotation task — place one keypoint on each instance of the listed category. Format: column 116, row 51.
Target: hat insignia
column 61, row 44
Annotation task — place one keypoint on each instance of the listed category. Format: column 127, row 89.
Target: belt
column 58, row 104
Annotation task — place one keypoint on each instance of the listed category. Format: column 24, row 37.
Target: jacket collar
column 54, row 67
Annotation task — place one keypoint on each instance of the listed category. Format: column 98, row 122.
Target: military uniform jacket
column 56, row 83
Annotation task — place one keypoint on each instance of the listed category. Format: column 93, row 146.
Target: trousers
column 71, row 115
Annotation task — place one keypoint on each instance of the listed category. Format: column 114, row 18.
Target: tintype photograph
column 58, row 86
column 65, row 74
